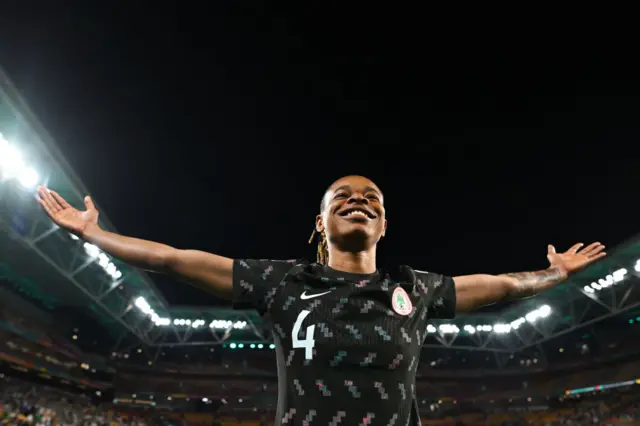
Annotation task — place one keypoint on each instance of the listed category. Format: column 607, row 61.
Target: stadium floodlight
column 142, row 304
column 103, row 260
column 502, row 328
column 11, row 161
column 28, row 177
column 499, row 328
column 13, row 166
column 449, row 328
column 542, row 312
column 608, row 281
column 226, row 324
column 188, row 322
column 637, row 267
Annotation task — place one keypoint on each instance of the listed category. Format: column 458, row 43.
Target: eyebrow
column 340, row 188
column 366, row 189
column 372, row 189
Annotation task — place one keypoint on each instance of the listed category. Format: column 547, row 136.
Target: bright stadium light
column 542, row 312
column 502, row 328
column 11, row 161
column 28, row 177
column 142, row 304
column 13, row 166
column 449, row 328
column 499, row 328
column 103, row 260
column 608, row 281
column 188, row 322
column 226, row 324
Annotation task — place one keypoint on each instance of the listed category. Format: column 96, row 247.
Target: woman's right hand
column 65, row 216
column 205, row 270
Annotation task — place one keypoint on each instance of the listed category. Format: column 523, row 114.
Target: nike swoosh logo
column 305, row 296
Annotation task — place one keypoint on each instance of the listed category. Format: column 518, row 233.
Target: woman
column 348, row 335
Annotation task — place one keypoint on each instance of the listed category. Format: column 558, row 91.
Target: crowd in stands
column 23, row 403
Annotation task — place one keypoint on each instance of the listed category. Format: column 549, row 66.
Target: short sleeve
column 442, row 300
column 255, row 282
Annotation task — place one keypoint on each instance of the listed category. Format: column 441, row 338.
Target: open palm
column 576, row 257
column 64, row 215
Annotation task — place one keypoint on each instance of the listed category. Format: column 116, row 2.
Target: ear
column 384, row 228
column 319, row 224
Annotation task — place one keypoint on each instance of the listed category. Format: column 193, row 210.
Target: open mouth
column 357, row 212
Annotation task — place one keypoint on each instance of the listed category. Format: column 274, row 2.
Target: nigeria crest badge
column 401, row 302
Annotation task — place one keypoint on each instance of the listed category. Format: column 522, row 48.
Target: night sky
column 220, row 129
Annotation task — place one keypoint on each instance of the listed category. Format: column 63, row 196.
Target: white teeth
column 356, row 212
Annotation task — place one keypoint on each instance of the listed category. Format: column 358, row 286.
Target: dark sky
column 220, row 129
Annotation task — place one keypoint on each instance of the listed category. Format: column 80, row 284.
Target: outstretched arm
column 205, row 270
column 474, row 291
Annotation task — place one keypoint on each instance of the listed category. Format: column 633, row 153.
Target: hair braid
column 322, row 256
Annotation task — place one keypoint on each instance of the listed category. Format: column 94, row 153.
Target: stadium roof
column 58, row 269
column 36, row 252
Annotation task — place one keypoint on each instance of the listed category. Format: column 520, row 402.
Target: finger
column 551, row 249
column 590, row 248
column 45, row 194
column 575, row 247
column 88, row 202
column 593, row 249
column 48, row 200
column 42, row 192
column 61, row 201
column 596, row 257
column 51, row 195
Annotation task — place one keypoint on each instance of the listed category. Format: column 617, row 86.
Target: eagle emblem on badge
column 401, row 302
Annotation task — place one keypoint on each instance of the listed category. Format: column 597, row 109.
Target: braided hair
column 322, row 254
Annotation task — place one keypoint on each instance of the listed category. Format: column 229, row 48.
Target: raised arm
column 207, row 271
column 474, row 291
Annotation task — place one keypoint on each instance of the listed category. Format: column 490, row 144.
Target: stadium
column 86, row 336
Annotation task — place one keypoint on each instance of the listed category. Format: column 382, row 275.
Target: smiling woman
column 369, row 208
column 348, row 335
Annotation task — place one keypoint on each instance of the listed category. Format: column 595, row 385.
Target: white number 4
column 307, row 343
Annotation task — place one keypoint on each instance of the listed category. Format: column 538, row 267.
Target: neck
column 363, row 262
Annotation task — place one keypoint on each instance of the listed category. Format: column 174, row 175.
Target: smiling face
column 352, row 214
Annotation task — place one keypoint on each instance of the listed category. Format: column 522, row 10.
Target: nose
column 357, row 198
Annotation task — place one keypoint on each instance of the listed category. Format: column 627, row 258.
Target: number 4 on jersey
column 306, row 343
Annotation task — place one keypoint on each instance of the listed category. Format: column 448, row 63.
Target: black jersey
column 348, row 345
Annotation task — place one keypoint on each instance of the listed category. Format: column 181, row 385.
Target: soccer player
column 348, row 335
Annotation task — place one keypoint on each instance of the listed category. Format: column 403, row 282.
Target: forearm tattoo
column 531, row 283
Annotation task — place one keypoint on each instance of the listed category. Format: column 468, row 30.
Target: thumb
column 88, row 202
column 551, row 249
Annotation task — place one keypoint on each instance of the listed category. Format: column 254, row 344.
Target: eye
column 373, row 197
column 341, row 195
